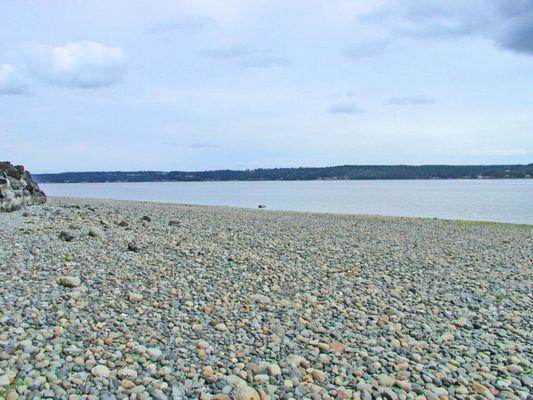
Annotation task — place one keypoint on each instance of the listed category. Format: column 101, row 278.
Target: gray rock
column 95, row 232
column 17, row 188
column 4, row 381
column 66, row 236
column 132, row 246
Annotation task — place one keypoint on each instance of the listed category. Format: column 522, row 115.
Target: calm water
column 488, row 200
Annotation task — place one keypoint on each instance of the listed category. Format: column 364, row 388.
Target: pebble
column 133, row 246
column 221, row 327
column 100, row 371
column 66, row 236
column 261, row 299
column 13, row 395
column 135, row 297
column 95, row 232
column 318, row 375
column 154, row 353
column 404, row 385
column 127, row 384
column 274, row 369
column 244, row 392
column 386, row 380
column 69, row 281
column 4, row 380
column 127, row 373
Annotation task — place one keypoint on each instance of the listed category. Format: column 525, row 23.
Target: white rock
column 127, row 373
column 69, row 281
column 261, row 299
column 100, row 371
column 135, row 297
column 4, row 380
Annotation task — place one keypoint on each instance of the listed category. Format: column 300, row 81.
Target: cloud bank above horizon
column 205, row 85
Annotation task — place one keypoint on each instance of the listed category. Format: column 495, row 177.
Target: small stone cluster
column 17, row 188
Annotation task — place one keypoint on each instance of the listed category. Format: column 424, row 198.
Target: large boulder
column 17, row 188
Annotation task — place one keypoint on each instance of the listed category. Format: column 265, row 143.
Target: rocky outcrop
column 17, row 188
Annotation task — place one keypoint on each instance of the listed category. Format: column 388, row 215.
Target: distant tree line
column 342, row 172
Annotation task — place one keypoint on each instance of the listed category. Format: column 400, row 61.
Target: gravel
column 134, row 300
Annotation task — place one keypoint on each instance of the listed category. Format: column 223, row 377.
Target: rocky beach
column 134, row 300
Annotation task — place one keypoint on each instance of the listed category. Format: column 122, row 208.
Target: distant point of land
column 342, row 172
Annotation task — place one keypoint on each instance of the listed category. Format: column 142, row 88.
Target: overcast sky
column 189, row 85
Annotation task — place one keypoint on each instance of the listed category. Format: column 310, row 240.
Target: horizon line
column 274, row 168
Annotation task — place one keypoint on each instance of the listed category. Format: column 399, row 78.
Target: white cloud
column 11, row 81
column 79, row 64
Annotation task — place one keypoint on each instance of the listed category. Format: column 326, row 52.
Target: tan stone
column 245, row 393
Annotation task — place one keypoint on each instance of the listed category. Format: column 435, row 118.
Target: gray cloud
column 11, row 81
column 365, row 49
column 77, row 64
column 410, row 101
column 342, row 108
column 518, row 36
column 509, row 24
column 440, row 20
column 439, row 29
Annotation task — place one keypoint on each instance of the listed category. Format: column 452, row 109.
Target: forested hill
column 344, row 172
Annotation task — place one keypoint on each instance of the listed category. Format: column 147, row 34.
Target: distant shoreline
column 343, row 172
column 297, row 180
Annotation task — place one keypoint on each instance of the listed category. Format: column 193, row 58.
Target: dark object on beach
column 146, row 218
column 123, row 224
column 132, row 246
column 66, row 236
column 173, row 223
column 17, row 188
column 261, row 206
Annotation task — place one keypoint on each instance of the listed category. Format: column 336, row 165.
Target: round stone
column 101, row 371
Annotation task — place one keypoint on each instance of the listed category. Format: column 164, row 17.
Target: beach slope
column 115, row 300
